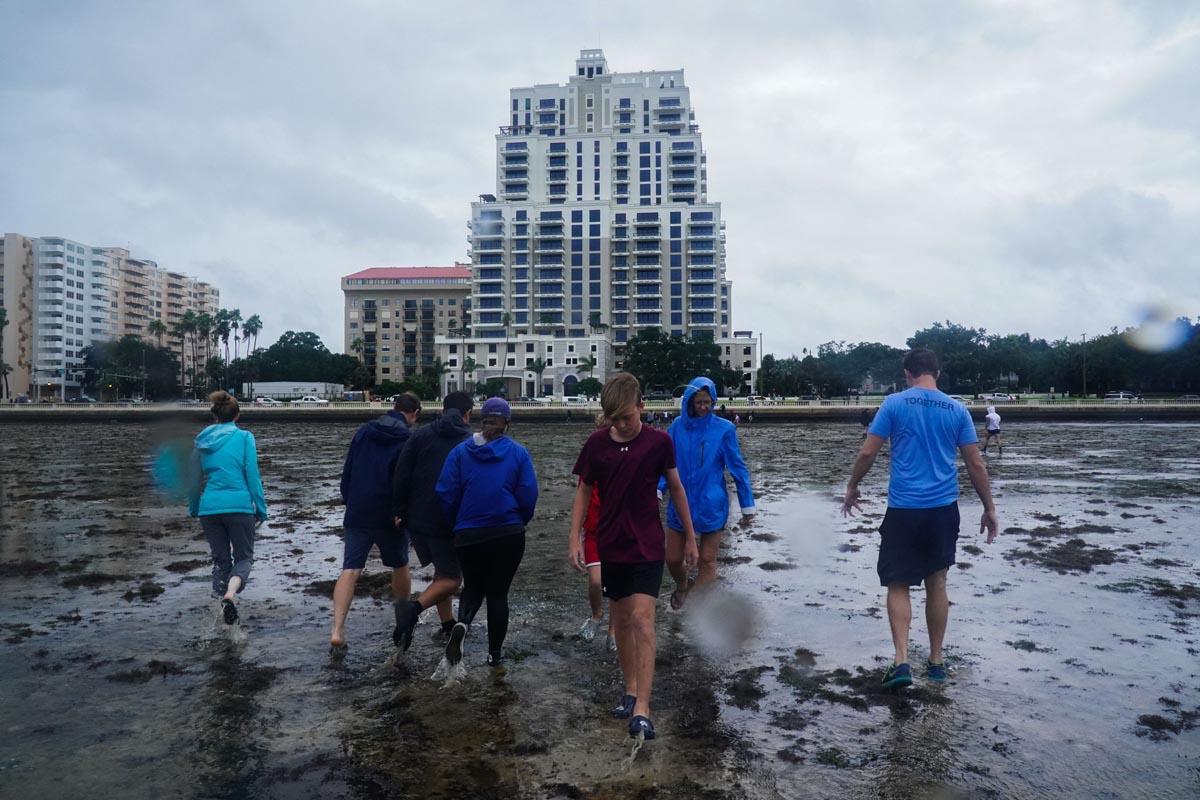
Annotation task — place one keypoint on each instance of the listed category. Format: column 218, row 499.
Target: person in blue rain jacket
column 488, row 491
column 227, row 495
column 706, row 446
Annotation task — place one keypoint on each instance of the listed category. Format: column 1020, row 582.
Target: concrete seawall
column 352, row 412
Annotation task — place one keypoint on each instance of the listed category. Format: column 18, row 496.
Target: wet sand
column 1072, row 643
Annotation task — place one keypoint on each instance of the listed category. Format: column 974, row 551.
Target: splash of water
column 450, row 675
column 638, row 741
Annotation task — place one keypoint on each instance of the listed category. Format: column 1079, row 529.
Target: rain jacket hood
column 214, row 437
column 495, row 450
column 705, row 447
column 367, row 472
column 225, row 473
column 693, row 422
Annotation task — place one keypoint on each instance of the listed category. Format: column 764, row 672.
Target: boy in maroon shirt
column 626, row 461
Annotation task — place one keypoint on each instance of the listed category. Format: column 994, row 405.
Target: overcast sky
column 1020, row 166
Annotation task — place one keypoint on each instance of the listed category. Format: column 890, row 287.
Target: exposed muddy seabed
column 1072, row 642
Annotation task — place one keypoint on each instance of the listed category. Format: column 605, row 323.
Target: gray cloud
column 1020, row 166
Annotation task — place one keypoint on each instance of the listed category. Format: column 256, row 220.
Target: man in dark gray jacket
column 415, row 506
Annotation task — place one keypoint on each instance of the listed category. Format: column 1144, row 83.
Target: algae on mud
column 139, row 697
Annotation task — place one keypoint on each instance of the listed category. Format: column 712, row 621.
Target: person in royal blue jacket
column 367, row 493
column 488, row 491
column 226, row 493
column 706, row 445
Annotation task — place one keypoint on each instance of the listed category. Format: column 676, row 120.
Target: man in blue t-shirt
column 920, row 528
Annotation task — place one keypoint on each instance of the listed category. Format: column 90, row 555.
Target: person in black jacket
column 367, row 493
column 415, row 507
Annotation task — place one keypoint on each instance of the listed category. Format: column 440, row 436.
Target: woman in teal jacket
column 230, row 503
column 705, row 447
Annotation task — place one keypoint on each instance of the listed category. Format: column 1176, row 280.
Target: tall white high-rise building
column 76, row 290
column 601, row 212
column 600, row 225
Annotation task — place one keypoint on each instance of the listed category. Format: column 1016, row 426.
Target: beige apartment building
column 148, row 292
column 18, row 300
column 394, row 314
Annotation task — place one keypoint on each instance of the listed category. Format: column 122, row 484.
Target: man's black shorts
column 916, row 542
column 622, row 580
column 439, row 551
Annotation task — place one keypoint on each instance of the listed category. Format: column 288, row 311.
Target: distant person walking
column 488, row 491
column 705, row 447
column 992, row 423
column 367, row 493
column 227, row 496
column 626, row 461
column 416, row 508
column 920, row 528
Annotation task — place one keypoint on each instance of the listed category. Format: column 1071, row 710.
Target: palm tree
column 462, row 334
column 537, row 366
column 595, row 323
column 250, row 329
column 506, row 321
column 158, row 329
column 180, row 330
column 235, row 322
column 204, row 327
column 4, row 368
column 357, row 346
column 469, row 367
column 546, row 320
column 435, row 371
column 586, row 364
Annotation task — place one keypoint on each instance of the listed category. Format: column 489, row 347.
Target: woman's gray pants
column 228, row 533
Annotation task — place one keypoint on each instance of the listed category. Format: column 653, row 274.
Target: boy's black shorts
column 622, row 580
column 916, row 542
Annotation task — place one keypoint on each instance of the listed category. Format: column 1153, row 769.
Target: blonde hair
column 224, row 406
column 601, row 420
column 620, row 391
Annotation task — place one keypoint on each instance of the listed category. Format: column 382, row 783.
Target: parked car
column 958, row 398
column 21, row 399
column 1186, row 398
column 1121, row 397
column 83, row 398
column 998, row 397
column 267, row 401
column 310, row 400
column 575, row 400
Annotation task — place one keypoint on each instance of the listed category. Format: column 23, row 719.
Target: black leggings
column 488, row 569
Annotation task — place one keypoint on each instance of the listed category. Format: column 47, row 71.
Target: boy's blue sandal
column 624, row 707
column 897, row 675
column 642, row 725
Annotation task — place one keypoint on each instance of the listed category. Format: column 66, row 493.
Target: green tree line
column 975, row 361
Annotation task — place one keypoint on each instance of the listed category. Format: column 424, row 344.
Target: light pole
column 1083, row 347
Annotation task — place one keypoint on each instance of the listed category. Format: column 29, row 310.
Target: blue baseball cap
column 496, row 407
